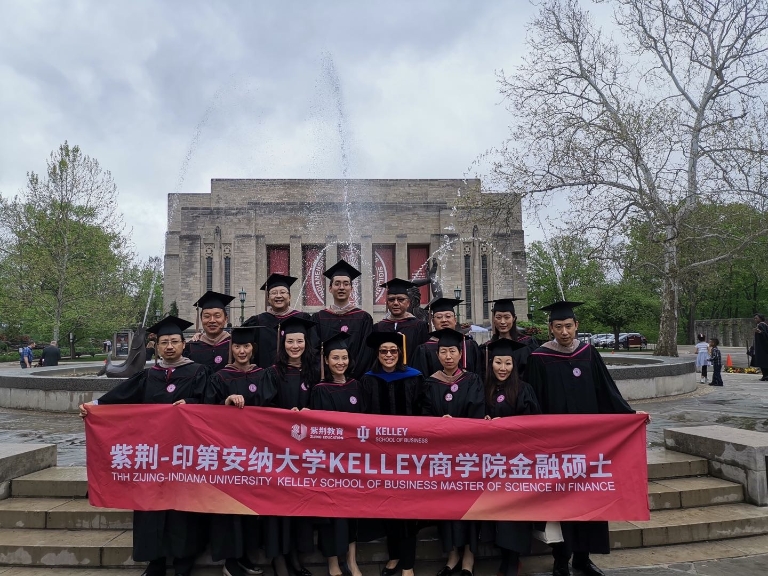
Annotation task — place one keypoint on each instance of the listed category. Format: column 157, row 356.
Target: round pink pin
column 455, row 388
column 218, row 359
column 252, row 387
column 500, row 398
column 449, row 397
column 577, row 372
column 352, row 400
column 170, row 388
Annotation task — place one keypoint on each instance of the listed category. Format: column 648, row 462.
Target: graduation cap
column 376, row 339
column 397, row 286
column 244, row 334
column 275, row 280
column 342, row 268
column 503, row 347
column 561, row 310
column 448, row 337
column 295, row 325
column 504, row 304
column 213, row 299
column 169, row 326
column 443, row 305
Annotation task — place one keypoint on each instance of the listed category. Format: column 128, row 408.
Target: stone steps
column 58, row 547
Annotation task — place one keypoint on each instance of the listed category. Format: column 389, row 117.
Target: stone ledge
column 21, row 459
column 733, row 454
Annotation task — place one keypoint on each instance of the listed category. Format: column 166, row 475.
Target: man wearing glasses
column 416, row 331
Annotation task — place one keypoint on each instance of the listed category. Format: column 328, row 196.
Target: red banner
column 220, row 459
column 383, row 270
column 278, row 260
column 417, row 268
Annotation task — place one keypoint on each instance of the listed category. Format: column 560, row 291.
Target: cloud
column 169, row 95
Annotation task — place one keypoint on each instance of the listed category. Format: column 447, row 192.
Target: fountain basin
column 64, row 388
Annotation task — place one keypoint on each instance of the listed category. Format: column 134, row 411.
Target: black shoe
column 390, row 571
column 447, row 570
column 465, row 572
column 561, row 569
column 249, row 567
column 589, row 568
column 300, row 571
column 232, row 568
column 155, row 568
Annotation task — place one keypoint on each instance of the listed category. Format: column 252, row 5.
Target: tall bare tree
column 643, row 125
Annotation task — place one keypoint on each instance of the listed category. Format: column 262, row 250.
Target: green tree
column 562, row 267
column 65, row 261
column 620, row 305
column 643, row 126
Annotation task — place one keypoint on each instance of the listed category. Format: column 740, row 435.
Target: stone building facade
column 729, row 331
column 231, row 239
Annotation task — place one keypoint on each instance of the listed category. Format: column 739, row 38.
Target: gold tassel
column 405, row 353
column 277, row 345
column 464, row 353
column 322, row 363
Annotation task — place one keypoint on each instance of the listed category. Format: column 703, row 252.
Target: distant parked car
column 584, row 337
column 597, row 339
column 633, row 339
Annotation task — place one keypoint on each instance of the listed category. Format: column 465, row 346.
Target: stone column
column 366, row 268
column 244, row 273
column 260, row 257
column 190, row 287
column 401, row 257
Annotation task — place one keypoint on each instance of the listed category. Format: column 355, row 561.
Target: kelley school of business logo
column 299, row 431
column 363, row 432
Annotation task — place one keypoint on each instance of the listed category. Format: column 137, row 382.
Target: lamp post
column 242, row 306
column 530, row 313
column 158, row 313
column 71, row 346
column 457, row 295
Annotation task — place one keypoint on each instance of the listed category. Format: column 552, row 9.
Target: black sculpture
column 415, row 294
column 137, row 358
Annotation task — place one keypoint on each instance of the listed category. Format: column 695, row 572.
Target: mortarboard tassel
column 464, row 353
column 405, row 354
column 230, row 350
column 322, row 363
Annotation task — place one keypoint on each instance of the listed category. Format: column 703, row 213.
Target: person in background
column 51, row 354
column 702, row 356
column 717, row 362
column 760, row 347
column 26, row 355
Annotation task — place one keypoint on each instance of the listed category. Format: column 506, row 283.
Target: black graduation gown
column 214, row 357
column 760, row 359
column 425, row 358
column 281, row 534
column 520, row 356
column 515, row 536
column 232, row 536
column 358, row 324
column 398, row 394
column 266, row 355
column 335, row 534
column 164, row 532
column 577, row 383
column 416, row 333
column 462, row 398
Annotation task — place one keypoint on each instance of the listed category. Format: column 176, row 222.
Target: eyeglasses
column 170, row 342
column 389, row 352
column 399, row 299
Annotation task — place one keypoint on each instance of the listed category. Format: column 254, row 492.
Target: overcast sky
column 167, row 95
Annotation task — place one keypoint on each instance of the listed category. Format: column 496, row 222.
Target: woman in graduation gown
column 505, row 326
column 240, row 383
column 454, row 393
column 174, row 380
column 391, row 387
column 506, row 395
column 292, row 377
column 338, row 392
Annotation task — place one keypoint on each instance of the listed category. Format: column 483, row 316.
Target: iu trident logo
column 299, row 431
column 363, row 432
